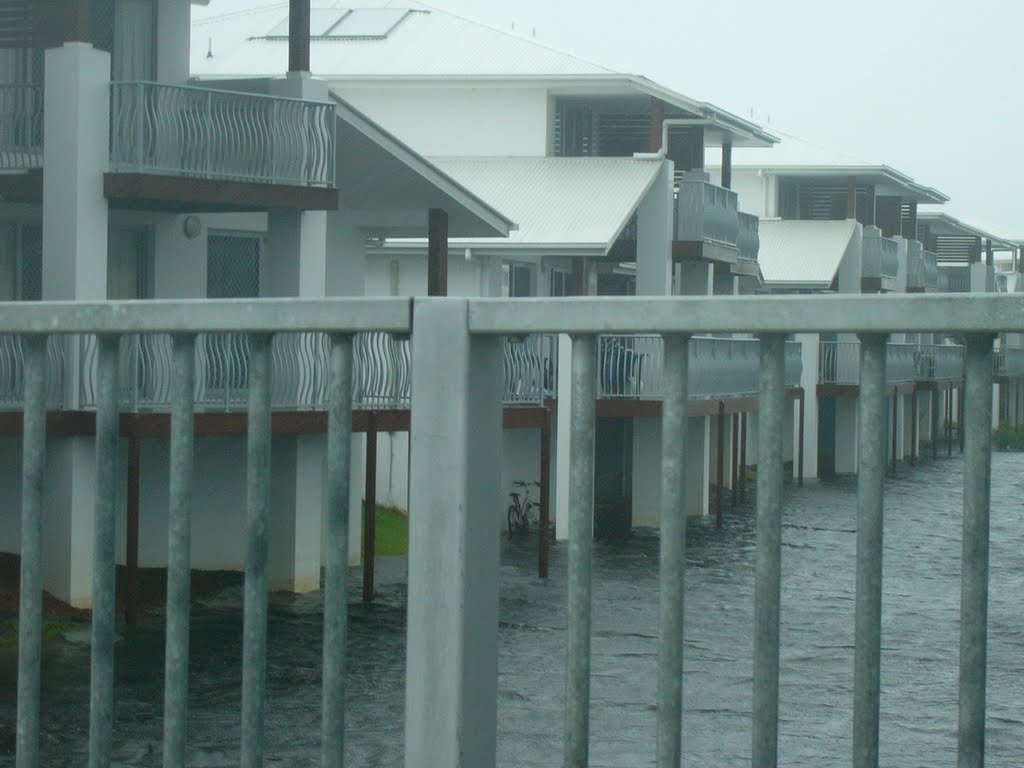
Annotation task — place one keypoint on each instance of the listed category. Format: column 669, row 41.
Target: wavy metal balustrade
column 21, row 126
column 705, row 211
column 839, row 362
column 1009, row 361
column 531, row 369
column 214, row 134
column 451, row 708
column 633, row 366
column 12, row 371
column 880, row 255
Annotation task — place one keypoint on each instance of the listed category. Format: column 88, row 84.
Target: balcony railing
column 748, row 241
column 1009, row 361
column 531, row 369
column 12, row 369
column 705, row 212
column 922, row 267
column 21, row 126
column 839, row 362
column 631, row 367
column 211, row 134
column 957, row 279
column 880, row 255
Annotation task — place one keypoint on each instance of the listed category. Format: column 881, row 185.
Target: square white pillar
column 654, row 236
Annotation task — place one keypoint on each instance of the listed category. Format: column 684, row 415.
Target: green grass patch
column 1008, row 438
column 53, row 631
column 392, row 532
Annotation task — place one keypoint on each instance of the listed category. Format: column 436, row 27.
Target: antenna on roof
column 533, row 32
column 209, row 49
column 513, row 26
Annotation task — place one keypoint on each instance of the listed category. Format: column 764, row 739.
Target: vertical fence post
column 257, row 507
column 769, row 552
column 30, row 610
column 743, row 457
column 454, row 535
column 179, row 544
column 977, row 400
column 101, row 698
column 339, row 447
column 544, row 534
column 581, row 544
column 868, row 610
column 672, row 560
column 720, row 459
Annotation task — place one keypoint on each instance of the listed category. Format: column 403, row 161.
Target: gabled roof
column 564, row 205
column 428, row 44
column 794, row 156
column 803, row 254
column 942, row 224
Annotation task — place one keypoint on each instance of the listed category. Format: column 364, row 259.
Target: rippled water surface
column 919, row 661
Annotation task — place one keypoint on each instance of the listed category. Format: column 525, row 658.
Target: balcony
column 955, row 279
column 21, row 127
column 748, row 241
column 922, row 269
column 839, row 363
column 880, row 261
column 202, row 133
column 631, row 367
column 1009, row 362
column 707, row 221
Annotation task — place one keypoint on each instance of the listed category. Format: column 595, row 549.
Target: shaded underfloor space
column 919, row 660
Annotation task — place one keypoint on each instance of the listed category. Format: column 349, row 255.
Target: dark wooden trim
column 657, row 117
column 851, row 197
column 152, row 192
column 298, row 36
column 131, row 557
column 727, row 164
column 437, row 252
column 370, row 514
column 578, row 282
column 543, row 543
column 871, row 285
column 22, row 187
column 524, row 417
column 690, row 250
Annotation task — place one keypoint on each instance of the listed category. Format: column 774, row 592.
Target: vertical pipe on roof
column 727, row 163
column 298, row 35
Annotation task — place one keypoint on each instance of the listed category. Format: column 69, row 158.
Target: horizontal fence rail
column 214, row 134
column 457, row 391
column 839, row 362
column 21, row 127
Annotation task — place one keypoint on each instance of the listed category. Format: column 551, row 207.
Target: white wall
column 458, row 121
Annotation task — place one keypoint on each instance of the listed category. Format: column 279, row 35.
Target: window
column 561, row 282
column 21, row 262
column 520, row 280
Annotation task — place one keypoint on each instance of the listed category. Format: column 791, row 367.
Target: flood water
column 919, row 655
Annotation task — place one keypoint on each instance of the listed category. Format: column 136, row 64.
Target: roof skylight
column 321, row 21
column 347, row 24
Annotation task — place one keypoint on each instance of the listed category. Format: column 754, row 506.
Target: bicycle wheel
column 513, row 519
column 532, row 516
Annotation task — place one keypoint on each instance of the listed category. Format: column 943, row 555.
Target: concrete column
column 810, row 349
column 75, row 230
column 982, row 278
column 902, row 419
column 846, row 435
column 356, row 486
column 696, row 278
column 296, row 513
column 698, row 466
column 560, row 447
column 654, row 236
column 726, row 285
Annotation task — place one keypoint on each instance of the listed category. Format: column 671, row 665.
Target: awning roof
column 564, row 205
column 942, row 224
column 804, row 254
column 388, row 187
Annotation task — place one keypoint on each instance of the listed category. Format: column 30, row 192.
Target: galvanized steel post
column 257, row 506
column 977, row 420
column 179, row 544
column 30, row 610
column 868, row 611
column 673, row 551
column 339, row 447
column 764, row 751
column 581, row 541
column 101, row 697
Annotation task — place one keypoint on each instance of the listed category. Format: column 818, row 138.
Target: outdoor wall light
column 192, row 227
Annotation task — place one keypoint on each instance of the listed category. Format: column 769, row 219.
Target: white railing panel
column 531, row 374
column 213, row 134
column 21, row 126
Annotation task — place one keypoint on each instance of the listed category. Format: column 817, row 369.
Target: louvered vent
column 907, row 221
column 954, row 248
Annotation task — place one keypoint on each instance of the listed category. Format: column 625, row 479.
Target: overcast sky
column 930, row 87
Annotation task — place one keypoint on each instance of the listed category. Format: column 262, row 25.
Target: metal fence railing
column 705, row 212
column 839, row 362
column 922, row 267
column 451, row 709
column 531, row 369
column 880, row 255
column 748, row 241
column 213, row 134
column 21, row 126
column 1009, row 361
column 956, row 278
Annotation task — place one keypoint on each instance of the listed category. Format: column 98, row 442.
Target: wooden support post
column 578, row 281
column 131, row 559
column 990, row 258
column 370, row 513
column 960, row 419
column 657, row 118
column 544, row 535
column 910, row 230
column 913, row 426
column 743, row 456
column 851, row 197
column 437, row 252
column 727, row 163
column 935, row 422
column 949, row 421
column 800, row 442
column 895, row 415
column 735, row 468
column 298, row 36
column 872, row 200
column 720, row 475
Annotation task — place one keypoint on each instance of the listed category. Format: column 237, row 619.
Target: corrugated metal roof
column 428, row 42
column 803, row 253
column 577, row 204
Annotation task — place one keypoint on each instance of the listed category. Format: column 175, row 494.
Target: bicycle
column 523, row 512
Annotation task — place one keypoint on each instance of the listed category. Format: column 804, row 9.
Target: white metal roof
column 803, row 253
column 944, row 224
column 795, row 156
column 563, row 205
column 428, row 44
